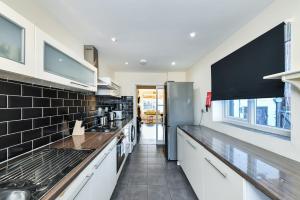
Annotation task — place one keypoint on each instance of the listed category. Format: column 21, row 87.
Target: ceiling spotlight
column 173, row 63
column 126, row 63
column 193, row 34
column 113, row 39
column 143, row 61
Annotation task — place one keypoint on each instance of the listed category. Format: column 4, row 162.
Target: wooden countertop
column 96, row 141
column 276, row 176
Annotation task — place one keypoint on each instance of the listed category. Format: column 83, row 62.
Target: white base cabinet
column 209, row 177
column 97, row 180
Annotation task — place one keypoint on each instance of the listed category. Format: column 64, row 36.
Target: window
column 269, row 114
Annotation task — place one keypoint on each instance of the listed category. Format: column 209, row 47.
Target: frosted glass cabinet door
column 16, row 42
column 11, row 40
column 60, row 64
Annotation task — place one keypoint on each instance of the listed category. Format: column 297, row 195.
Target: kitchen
column 69, row 108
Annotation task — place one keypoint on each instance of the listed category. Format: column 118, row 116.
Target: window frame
column 251, row 121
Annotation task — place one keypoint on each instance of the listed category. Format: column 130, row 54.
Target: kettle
column 112, row 116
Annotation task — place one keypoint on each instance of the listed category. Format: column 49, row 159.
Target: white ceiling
column 155, row 30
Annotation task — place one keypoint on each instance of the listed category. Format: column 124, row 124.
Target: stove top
column 31, row 177
column 105, row 129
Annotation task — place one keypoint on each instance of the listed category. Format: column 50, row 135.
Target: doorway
column 150, row 113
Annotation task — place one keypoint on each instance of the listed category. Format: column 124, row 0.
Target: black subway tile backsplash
column 3, row 101
column 22, row 125
column 63, row 94
column 32, row 116
column 3, row 155
column 49, row 111
column 19, row 149
column 56, row 102
column 41, row 142
column 49, row 93
column 32, row 91
column 31, row 135
column 41, row 102
column 49, row 130
column 10, row 88
column 72, row 95
column 3, row 128
column 18, row 102
column 10, row 114
column 10, row 140
column 41, row 122
column 32, row 113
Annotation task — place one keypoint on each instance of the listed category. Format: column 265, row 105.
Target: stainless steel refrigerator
column 179, row 110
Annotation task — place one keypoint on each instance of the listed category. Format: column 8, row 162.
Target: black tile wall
column 28, row 90
column 32, row 116
column 3, row 101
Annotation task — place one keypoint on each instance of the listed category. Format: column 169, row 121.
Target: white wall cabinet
column 210, row 178
column 56, row 63
column 16, row 42
column 97, row 180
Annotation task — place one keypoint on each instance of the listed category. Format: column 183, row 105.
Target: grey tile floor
column 148, row 176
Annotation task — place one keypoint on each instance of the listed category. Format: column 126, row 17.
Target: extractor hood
column 107, row 87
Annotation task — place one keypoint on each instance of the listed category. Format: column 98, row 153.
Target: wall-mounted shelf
column 292, row 77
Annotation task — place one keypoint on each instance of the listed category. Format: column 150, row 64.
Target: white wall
column 39, row 16
column 276, row 13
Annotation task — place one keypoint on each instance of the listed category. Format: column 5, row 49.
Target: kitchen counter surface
column 96, row 141
column 276, row 176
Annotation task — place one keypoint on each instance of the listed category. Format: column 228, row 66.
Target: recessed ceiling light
column 193, row 34
column 173, row 63
column 113, row 39
column 143, row 61
column 126, row 63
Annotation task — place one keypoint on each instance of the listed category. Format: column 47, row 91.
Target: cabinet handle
column 101, row 161
column 79, row 84
column 223, row 174
column 191, row 144
column 84, row 182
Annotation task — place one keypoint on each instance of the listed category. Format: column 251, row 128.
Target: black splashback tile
column 72, row 95
column 63, row 94
column 41, row 122
column 19, row 149
column 3, row 101
column 41, row 102
column 32, row 116
column 18, row 102
column 10, row 140
column 3, row 128
column 33, row 91
column 10, row 114
column 10, row 88
column 49, row 93
column 41, row 142
column 56, row 102
column 49, row 130
column 31, row 135
column 49, row 111
column 22, row 125
column 31, row 113
column 3, row 155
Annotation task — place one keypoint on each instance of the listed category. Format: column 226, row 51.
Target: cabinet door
column 221, row 182
column 56, row 63
column 102, row 181
column 16, row 42
column 194, row 165
column 180, row 148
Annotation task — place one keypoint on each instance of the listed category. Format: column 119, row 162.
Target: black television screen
column 240, row 74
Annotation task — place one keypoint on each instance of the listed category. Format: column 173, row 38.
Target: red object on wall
column 208, row 101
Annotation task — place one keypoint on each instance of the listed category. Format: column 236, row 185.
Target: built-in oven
column 120, row 151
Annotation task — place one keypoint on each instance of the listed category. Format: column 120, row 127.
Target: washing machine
column 132, row 136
